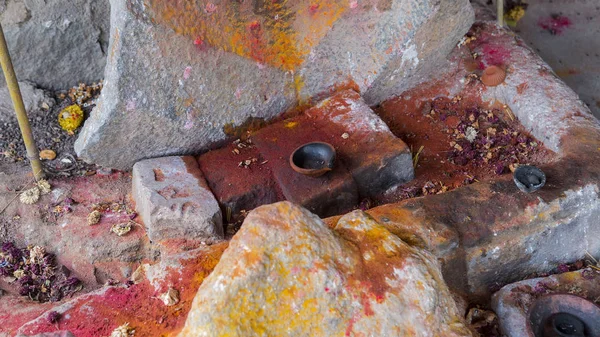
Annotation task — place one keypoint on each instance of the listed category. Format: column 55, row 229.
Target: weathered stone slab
column 377, row 159
column 174, row 200
column 182, row 74
column 56, row 44
column 333, row 193
column 285, row 273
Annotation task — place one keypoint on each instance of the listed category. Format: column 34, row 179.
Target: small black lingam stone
column 529, row 178
column 313, row 159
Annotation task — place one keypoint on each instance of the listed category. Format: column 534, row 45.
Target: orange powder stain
column 278, row 33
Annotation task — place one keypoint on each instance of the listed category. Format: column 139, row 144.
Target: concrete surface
column 566, row 34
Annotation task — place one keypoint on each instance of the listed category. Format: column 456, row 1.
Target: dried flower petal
column 30, row 196
column 138, row 274
column 94, row 217
column 36, row 254
column 171, row 297
column 122, row 228
column 19, row 273
column 53, row 317
column 44, row 186
column 123, row 331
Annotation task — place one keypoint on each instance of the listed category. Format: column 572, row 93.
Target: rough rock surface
column 56, row 44
column 174, row 200
column 286, row 273
column 33, row 98
column 52, row 334
column 184, row 75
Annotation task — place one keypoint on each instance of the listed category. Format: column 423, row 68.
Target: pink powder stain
column 188, row 124
column 130, row 105
column 555, row 24
column 210, row 8
column 495, row 54
column 353, row 4
column 312, row 9
column 198, row 41
column 238, row 93
column 187, row 72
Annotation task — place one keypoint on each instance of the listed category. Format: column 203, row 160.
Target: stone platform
column 369, row 160
column 485, row 235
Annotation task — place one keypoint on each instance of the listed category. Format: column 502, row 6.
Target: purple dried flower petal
column 540, row 288
column 587, row 274
column 53, row 317
column 493, row 119
column 461, row 161
column 562, row 268
column 499, row 169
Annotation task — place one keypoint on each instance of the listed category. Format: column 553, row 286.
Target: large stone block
column 183, row 73
column 174, row 200
column 285, row 273
column 56, row 44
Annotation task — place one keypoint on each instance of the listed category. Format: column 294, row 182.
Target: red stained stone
column 376, row 158
column 239, row 188
column 330, row 194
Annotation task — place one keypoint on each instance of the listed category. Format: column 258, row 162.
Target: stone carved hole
column 159, row 175
column 171, row 192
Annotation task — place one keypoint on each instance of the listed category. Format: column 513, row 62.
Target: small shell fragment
column 171, row 297
column 30, row 196
column 94, row 217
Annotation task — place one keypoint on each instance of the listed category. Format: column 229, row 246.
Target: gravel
column 49, row 135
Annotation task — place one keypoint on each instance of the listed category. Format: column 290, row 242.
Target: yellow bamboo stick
column 15, row 95
column 500, row 12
